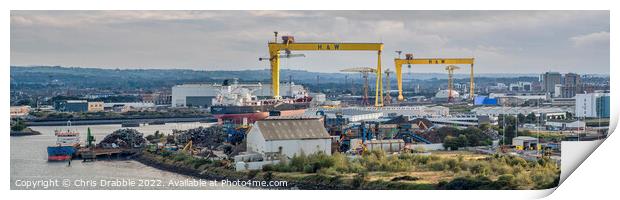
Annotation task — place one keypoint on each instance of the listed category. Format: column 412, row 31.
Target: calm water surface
column 29, row 164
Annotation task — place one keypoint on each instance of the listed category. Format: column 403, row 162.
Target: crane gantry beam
column 409, row 60
column 289, row 45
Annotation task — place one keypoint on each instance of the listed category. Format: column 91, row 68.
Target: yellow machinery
column 409, row 60
column 188, row 148
column 365, row 71
column 288, row 45
column 450, row 69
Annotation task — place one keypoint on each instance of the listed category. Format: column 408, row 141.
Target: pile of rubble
column 123, row 138
column 209, row 137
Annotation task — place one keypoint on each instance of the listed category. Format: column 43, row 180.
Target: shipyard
column 404, row 120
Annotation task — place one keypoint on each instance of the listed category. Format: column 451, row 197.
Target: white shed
column 288, row 137
column 566, row 124
column 525, row 142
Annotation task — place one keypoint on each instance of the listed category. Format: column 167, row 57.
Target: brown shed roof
column 287, row 129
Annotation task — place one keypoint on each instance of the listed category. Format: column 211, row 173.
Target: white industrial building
column 548, row 112
column 127, row 106
column 408, row 110
column 521, row 95
column 288, row 137
column 462, row 120
column 525, row 142
column 565, row 124
column 201, row 95
column 353, row 115
column 585, row 104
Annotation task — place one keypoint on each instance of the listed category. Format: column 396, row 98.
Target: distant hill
column 154, row 78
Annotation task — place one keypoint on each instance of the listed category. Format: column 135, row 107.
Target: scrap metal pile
column 433, row 136
column 209, row 137
column 123, row 138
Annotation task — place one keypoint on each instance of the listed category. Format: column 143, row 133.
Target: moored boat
column 67, row 142
column 238, row 105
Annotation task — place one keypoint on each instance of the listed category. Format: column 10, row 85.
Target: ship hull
column 218, row 109
column 249, row 118
column 60, row 153
column 250, row 114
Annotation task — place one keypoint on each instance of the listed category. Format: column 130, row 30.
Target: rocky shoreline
column 25, row 132
column 220, row 174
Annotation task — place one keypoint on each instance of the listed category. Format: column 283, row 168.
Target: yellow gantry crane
column 288, row 45
column 364, row 71
column 450, row 69
column 409, row 60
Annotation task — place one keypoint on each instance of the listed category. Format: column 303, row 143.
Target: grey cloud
column 592, row 39
column 532, row 41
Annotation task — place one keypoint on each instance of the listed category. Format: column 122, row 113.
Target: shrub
column 469, row 183
column 359, row 180
column 328, row 171
column 396, row 165
column 506, row 181
column 268, row 176
column 523, row 180
column 451, row 143
column 269, row 167
column 481, row 168
column 437, row 166
column 200, row 161
column 405, row 178
column 513, row 160
column 341, row 162
column 252, row 174
column 18, row 125
column 357, row 167
column 180, row 157
column 451, row 163
column 543, row 177
column 298, row 162
column 320, row 160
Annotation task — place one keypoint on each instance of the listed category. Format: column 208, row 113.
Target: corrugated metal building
column 351, row 114
column 288, row 137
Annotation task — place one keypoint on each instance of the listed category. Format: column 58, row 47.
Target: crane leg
column 379, row 83
column 275, row 73
column 399, row 80
column 471, row 83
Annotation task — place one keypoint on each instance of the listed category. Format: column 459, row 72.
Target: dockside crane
column 410, row 60
column 289, row 55
column 365, row 71
column 450, row 69
column 288, row 45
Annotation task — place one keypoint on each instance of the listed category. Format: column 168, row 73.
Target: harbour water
column 31, row 170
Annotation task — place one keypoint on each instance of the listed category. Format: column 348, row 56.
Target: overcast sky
column 501, row 41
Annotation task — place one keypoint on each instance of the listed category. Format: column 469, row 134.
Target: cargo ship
column 67, row 143
column 238, row 105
